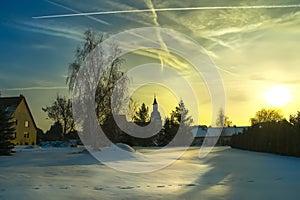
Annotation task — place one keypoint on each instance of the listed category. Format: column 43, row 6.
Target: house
column 25, row 127
column 211, row 136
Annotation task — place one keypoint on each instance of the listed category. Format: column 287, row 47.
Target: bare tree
column 104, row 83
column 132, row 109
column 295, row 120
column 61, row 111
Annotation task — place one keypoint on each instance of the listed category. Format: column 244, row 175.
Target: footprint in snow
column 64, row 187
column 191, row 185
column 126, row 188
column 98, row 188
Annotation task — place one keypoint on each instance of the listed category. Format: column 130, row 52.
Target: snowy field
column 63, row 173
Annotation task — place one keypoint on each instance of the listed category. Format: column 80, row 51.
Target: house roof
column 10, row 105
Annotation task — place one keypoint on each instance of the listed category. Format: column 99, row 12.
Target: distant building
column 210, row 136
column 142, row 129
column 155, row 118
column 25, row 127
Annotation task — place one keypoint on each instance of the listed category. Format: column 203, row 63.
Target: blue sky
column 254, row 49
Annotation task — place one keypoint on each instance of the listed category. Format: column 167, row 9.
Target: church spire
column 155, row 115
column 154, row 102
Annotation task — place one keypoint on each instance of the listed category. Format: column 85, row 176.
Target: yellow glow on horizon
column 277, row 96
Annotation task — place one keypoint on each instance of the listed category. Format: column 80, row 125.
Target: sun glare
column 277, row 96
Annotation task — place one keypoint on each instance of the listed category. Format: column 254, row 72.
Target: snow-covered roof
column 203, row 131
column 10, row 104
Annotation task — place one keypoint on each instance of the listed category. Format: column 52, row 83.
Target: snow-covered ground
column 63, row 173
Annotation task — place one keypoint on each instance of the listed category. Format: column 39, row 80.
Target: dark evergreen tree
column 169, row 131
column 142, row 115
column 7, row 132
column 54, row 133
column 179, row 123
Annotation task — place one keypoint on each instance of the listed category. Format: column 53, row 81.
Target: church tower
column 155, row 115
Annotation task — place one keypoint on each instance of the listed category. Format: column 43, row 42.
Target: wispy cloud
column 228, row 27
column 163, row 55
column 232, row 30
column 41, row 47
column 50, row 29
column 227, row 71
column 219, row 42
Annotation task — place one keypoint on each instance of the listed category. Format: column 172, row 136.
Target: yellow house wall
column 21, row 115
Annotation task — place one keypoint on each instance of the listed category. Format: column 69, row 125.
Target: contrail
column 160, row 39
column 76, row 11
column 167, row 9
column 35, row 88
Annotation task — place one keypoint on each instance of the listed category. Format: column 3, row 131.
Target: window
column 26, row 135
column 26, row 124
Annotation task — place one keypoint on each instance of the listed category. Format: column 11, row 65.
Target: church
column 151, row 128
column 155, row 115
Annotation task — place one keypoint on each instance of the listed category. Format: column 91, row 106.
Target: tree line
column 271, row 133
column 63, row 127
column 177, row 124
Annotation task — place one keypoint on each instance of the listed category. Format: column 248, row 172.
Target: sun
column 277, row 96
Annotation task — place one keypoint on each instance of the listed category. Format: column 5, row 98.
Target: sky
column 254, row 45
